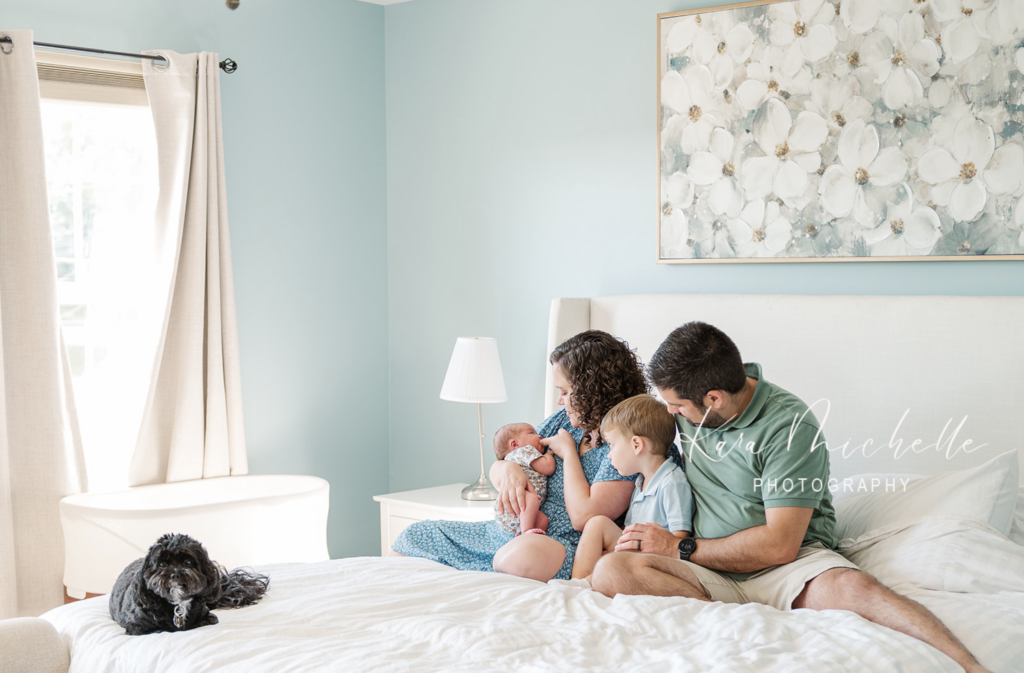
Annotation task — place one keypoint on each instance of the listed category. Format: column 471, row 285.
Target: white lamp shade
column 474, row 373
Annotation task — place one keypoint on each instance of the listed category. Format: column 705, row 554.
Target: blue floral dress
column 471, row 545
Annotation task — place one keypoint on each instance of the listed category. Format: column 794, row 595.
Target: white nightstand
column 398, row 510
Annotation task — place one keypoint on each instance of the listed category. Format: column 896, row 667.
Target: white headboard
column 936, row 360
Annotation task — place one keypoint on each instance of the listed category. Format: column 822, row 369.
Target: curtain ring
column 165, row 67
column 6, row 44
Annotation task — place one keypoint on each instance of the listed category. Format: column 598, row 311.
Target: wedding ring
column 638, row 545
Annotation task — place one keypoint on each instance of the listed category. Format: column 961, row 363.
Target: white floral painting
column 842, row 130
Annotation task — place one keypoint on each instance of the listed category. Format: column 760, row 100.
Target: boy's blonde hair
column 643, row 416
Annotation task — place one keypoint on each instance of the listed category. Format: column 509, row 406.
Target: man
column 764, row 527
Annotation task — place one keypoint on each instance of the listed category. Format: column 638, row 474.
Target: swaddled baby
column 519, row 443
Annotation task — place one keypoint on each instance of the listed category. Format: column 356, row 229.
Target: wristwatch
column 686, row 547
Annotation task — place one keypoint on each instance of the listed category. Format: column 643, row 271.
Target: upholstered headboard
column 878, row 370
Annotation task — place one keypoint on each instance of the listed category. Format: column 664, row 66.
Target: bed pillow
column 985, row 493
column 941, row 553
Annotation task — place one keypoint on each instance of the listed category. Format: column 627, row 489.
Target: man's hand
column 653, row 539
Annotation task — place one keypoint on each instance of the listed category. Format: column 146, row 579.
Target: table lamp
column 474, row 375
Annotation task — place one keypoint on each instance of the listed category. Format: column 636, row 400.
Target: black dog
column 176, row 585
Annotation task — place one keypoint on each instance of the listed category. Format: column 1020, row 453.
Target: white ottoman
column 242, row 521
column 32, row 645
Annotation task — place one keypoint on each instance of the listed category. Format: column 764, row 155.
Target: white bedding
column 967, row 573
column 1017, row 527
column 378, row 614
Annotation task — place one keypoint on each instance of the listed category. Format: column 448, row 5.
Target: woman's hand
column 512, row 489
column 562, row 445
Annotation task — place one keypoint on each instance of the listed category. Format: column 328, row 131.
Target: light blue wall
column 304, row 136
column 521, row 167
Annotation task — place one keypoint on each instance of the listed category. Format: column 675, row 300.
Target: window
column 102, row 186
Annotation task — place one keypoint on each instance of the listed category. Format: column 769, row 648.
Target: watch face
column 687, row 545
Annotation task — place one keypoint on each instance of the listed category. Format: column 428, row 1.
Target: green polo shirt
column 772, row 455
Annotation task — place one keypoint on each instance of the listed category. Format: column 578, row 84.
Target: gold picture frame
column 734, row 80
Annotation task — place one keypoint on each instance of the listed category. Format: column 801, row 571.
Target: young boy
column 519, row 443
column 641, row 433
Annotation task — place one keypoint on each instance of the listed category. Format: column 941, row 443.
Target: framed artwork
column 841, row 130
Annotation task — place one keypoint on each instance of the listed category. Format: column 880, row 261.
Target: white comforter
column 376, row 614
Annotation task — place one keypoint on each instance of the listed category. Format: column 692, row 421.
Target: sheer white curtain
column 40, row 453
column 192, row 424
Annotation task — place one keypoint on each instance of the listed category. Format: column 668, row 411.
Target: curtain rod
column 227, row 65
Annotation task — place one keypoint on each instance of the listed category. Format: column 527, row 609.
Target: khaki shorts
column 777, row 586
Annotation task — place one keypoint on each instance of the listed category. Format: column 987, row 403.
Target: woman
column 593, row 372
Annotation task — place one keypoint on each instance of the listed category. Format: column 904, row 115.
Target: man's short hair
column 696, row 359
column 643, row 416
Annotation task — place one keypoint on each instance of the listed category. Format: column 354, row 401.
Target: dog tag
column 179, row 616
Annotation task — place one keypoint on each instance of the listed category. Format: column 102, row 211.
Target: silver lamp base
column 481, row 490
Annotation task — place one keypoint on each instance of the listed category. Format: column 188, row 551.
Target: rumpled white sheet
column 1017, row 527
column 967, row 573
column 373, row 614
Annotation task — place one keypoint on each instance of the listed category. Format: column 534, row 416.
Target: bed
column 949, row 533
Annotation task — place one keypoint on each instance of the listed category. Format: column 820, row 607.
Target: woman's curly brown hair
column 602, row 371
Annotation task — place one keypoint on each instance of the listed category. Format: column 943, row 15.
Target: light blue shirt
column 667, row 500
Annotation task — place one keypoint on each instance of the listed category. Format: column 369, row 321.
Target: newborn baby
column 519, row 443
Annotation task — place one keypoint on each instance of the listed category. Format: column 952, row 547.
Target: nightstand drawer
column 399, row 510
column 395, row 525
